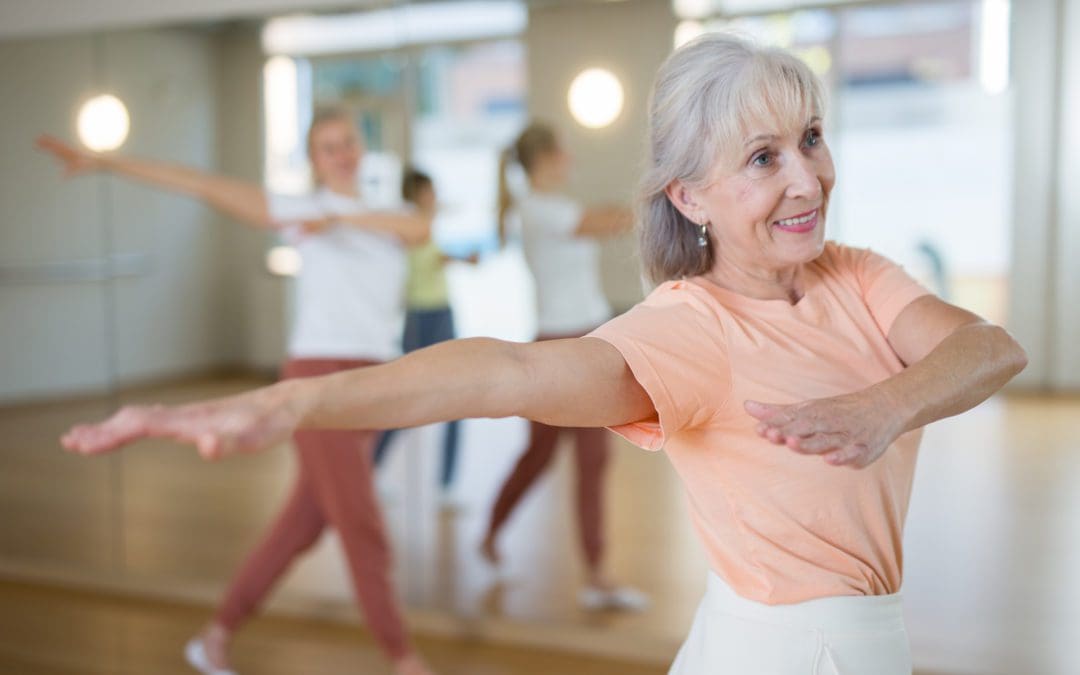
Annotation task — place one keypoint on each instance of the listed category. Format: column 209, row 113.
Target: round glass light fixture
column 595, row 98
column 283, row 261
column 103, row 123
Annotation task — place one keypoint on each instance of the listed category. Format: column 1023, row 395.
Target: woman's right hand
column 248, row 422
column 75, row 160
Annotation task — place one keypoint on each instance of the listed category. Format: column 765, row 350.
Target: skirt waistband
column 835, row 614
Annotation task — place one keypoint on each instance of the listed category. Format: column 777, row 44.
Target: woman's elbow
column 1020, row 358
column 1013, row 356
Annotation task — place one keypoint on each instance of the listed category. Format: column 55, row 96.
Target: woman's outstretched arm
column 575, row 382
column 412, row 229
column 243, row 200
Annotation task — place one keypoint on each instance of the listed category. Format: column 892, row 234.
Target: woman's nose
column 804, row 181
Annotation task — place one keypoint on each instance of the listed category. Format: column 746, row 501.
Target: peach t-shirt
column 778, row 526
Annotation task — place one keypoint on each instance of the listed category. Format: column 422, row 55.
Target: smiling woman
column 763, row 119
column 765, row 362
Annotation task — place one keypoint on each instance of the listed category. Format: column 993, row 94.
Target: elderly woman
column 767, row 364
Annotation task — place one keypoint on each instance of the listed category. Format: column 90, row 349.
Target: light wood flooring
column 991, row 586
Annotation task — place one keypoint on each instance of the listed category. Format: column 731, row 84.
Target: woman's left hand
column 854, row 429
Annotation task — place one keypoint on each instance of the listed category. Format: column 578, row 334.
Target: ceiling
column 29, row 18
column 34, row 18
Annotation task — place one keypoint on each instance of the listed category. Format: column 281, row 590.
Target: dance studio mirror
column 134, row 289
column 136, row 282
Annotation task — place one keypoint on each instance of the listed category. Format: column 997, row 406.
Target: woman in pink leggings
column 560, row 241
column 349, row 302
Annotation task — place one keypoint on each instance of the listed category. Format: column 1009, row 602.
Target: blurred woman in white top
column 561, row 242
column 349, row 310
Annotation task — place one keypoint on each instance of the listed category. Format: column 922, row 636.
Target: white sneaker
column 620, row 599
column 195, row 653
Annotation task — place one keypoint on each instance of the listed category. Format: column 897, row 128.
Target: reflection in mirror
column 288, row 195
column 58, row 282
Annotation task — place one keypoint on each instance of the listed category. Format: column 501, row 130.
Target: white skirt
column 843, row 635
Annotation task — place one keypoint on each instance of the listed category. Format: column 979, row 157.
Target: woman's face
column 767, row 200
column 556, row 165
column 425, row 198
column 336, row 151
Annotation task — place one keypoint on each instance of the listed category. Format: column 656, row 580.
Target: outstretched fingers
column 785, row 424
column 818, row 443
column 851, row 455
column 127, row 425
column 74, row 160
column 803, row 429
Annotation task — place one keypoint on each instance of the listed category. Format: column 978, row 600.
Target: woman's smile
column 799, row 224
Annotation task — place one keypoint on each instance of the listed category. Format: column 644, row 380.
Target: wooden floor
column 44, row 631
column 993, row 541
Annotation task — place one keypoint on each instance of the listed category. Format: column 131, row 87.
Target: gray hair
column 705, row 97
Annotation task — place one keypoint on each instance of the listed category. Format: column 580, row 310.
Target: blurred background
column 953, row 127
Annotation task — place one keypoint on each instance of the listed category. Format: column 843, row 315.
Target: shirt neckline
column 811, row 282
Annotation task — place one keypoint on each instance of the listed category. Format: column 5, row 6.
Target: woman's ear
column 685, row 201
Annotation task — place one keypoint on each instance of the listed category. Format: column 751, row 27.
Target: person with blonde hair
column 561, row 242
column 786, row 377
column 348, row 305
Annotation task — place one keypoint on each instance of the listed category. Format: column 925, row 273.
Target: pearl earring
column 703, row 236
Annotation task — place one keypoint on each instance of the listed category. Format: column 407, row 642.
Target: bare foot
column 490, row 552
column 412, row 665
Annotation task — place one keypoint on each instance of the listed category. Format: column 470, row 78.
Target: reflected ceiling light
column 283, row 261
column 103, row 123
column 687, row 31
column 595, row 98
column 994, row 46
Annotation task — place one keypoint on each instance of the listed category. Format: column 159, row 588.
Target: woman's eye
column 813, row 137
column 761, row 159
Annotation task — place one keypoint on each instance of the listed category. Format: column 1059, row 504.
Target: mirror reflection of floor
column 993, row 537
column 45, row 631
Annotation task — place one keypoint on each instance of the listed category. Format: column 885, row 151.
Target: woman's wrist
column 100, row 162
column 897, row 400
column 298, row 396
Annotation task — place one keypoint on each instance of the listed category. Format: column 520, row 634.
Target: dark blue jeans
column 423, row 328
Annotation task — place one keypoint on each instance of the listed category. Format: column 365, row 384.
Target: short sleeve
column 674, row 345
column 886, row 288
column 551, row 215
